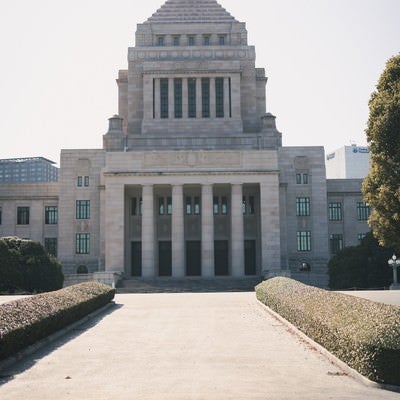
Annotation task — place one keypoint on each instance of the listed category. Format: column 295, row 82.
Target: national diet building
column 192, row 179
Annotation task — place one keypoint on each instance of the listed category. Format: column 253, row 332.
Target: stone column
column 237, row 230
column 198, row 97
column 235, row 96
column 157, row 98
column 114, row 221
column 171, row 100
column 270, row 226
column 184, row 97
column 148, row 248
column 148, row 97
column 212, row 97
column 178, row 232
column 207, row 231
column 226, row 98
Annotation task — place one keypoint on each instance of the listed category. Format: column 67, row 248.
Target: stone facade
column 192, row 179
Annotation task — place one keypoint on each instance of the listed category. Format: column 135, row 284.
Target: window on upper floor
column 178, row 98
column 51, row 215
column 363, row 211
column 136, row 206
column 176, row 40
column 219, row 97
column 165, row 205
column 193, row 205
column 191, row 40
column 82, row 181
column 160, row 40
column 302, row 206
column 248, row 205
column 206, row 40
column 22, row 215
column 335, row 211
column 302, row 178
column 82, row 209
column 164, row 112
column 221, row 40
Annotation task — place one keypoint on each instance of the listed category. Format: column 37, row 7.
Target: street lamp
column 394, row 263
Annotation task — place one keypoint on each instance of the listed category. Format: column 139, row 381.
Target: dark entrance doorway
column 136, row 258
column 250, row 257
column 193, row 258
column 221, row 257
column 164, row 259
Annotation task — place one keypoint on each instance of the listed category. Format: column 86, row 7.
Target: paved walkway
column 182, row 346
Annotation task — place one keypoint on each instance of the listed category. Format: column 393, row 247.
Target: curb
column 10, row 361
column 331, row 357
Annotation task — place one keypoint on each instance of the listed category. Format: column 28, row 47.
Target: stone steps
column 189, row 284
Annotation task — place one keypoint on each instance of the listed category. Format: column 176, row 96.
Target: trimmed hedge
column 362, row 333
column 25, row 321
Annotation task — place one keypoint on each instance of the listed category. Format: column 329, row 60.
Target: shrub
column 25, row 321
column 362, row 333
column 25, row 265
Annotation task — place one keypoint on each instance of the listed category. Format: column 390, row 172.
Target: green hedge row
column 362, row 333
column 27, row 320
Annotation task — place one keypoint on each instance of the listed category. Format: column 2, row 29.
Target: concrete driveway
column 182, row 346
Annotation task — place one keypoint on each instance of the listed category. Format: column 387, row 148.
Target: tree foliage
column 382, row 185
column 364, row 266
column 26, row 266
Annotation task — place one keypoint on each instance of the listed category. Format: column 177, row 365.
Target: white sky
column 60, row 59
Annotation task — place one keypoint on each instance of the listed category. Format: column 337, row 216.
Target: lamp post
column 394, row 263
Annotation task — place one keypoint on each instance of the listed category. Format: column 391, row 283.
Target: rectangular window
column 161, row 207
column 79, row 181
column 205, row 97
column 250, row 206
column 305, row 179
column 192, row 98
column 335, row 211
column 164, row 98
column 206, row 40
column 197, row 205
column 336, row 242
column 176, row 40
column 244, row 208
column 363, row 211
column 50, row 244
column 224, row 205
column 160, row 41
column 221, row 40
column 169, row 205
column 188, row 205
column 191, row 41
column 302, row 178
column 22, row 215
column 82, row 243
column 51, row 215
column 215, row 205
column 219, row 97
column 86, row 181
column 82, row 209
column 302, row 206
column 178, row 98
column 303, row 241
column 134, row 209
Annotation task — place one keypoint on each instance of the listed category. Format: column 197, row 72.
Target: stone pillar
column 198, row 97
column 212, row 97
column 148, row 97
column 178, row 232
column 114, row 221
column 226, row 98
column 171, row 100
column 184, row 97
column 207, row 231
column 237, row 230
column 148, row 248
column 157, row 98
column 235, row 96
column 270, row 226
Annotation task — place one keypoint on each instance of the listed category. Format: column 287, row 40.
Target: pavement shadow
column 27, row 358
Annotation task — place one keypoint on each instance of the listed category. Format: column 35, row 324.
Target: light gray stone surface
column 182, row 346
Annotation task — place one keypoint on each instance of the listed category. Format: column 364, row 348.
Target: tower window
column 164, row 98
column 219, row 97
column 205, row 97
column 192, row 98
column 178, row 98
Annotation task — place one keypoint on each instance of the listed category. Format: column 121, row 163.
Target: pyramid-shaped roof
column 189, row 11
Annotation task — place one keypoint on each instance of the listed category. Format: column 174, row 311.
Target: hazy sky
column 60, row 59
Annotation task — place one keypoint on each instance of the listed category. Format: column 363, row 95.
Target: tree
column 381, row 187
column 364, row 266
